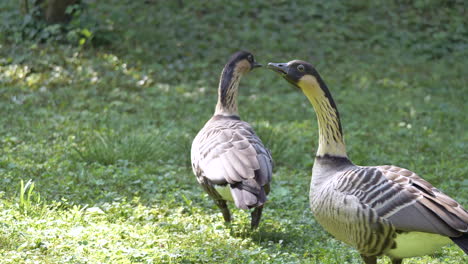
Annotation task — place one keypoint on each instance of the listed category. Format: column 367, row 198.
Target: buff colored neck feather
column 228, row 87
column 331, row 140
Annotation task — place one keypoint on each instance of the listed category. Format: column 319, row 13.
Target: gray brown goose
column 379, row 210
column 228, row 158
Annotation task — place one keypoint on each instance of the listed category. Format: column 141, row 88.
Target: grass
column 95, row 141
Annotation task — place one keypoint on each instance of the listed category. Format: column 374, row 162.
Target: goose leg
column 256, row 215
column 369, row 259
column 397, row 261
column 224, row 209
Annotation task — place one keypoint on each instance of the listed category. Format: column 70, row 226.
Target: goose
column 228, row 158
column 379, row 210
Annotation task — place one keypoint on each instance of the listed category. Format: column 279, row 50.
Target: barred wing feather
column 407, row 201
column 229, row 152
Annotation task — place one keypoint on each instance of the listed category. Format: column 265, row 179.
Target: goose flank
column 379, row 210
column 228, row 158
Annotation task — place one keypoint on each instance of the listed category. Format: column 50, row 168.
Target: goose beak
column 256, row 65
column 281, row 68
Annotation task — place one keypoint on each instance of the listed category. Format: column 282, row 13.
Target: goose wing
column 418, row 204
column 406, row 200
column 229, row 152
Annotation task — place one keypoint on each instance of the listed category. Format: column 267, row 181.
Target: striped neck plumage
column 331, row 142
column 227, row 91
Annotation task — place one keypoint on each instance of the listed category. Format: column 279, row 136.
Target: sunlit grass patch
column 29, row 201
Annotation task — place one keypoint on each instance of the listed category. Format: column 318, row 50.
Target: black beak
column 256, row 65
column 281, row 68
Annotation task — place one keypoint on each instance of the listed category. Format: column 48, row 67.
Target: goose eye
column 250, row 58
column 300, row 68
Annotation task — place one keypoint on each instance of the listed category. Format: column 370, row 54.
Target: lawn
column 95, row 137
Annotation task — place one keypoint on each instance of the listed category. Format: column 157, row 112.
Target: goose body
column 383, row 210
column 379, row 210
column 228, row 158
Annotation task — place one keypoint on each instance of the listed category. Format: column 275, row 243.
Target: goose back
column 227, row 152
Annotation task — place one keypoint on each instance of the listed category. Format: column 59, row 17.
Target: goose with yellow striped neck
column 379, row 210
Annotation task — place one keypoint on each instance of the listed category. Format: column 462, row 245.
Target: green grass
column 95, row 140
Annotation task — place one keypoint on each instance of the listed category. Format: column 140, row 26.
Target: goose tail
column 248, row 194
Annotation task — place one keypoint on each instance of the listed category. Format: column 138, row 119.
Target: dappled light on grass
column 121, row 230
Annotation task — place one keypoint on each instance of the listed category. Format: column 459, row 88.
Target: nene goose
column 228, row 158
column 379, row 210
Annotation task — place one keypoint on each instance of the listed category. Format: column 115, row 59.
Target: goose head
column 242, row 62
column 299, row 73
